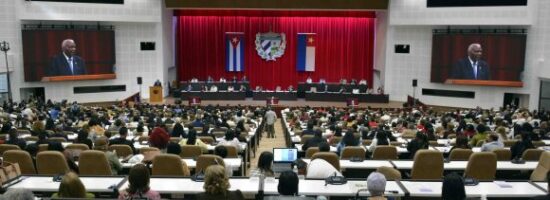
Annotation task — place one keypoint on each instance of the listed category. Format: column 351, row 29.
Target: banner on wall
column 305, row 52
column 234, row 58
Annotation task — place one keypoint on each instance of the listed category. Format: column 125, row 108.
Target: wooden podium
column 155, row 94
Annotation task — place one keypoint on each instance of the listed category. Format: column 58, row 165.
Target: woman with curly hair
column 216, row 185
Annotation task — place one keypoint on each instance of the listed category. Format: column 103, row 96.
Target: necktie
column 71, row 65
column 474, row 65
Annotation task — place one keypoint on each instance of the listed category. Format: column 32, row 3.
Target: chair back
column 390, row 173
column 175, row 139
column 482, row 166
column 460, row 154
column 231, row 151
column 218, row 134
column 367, row 142
column 42, row 147
column 169, row 165
column 538, row 144
column 428, row 164
column 503, row 154
column 305, row 138
column 311, row 150
column 190, row 151
column 206, row 139
column 146, row 149
column 353, row 151
column 335, row 140
column 330, row 157
column 6, row 147
column 143, row 138
column 57, row 139
column 204, row 161
column 101, row 143
column 532, row 154
column 539, row 174
column 23, row 158
column 51, row 163
column 93, row 163
column 82, row 147
column 509, row 143
column 122, row 150
column 31, row 138
column 384, row 152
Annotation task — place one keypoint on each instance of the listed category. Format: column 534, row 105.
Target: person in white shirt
column 222, row 80
column 363, row 82
column 492, row 143
column 308, row 80
column 230, row 88
column 320, row 168
column 194, row 80
column 213, row 88
column 278, row 89
column 230, row 140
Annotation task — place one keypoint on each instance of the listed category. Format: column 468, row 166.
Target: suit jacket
column 59, row 66
column 463, row 70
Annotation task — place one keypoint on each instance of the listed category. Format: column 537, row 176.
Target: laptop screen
column 286, row 155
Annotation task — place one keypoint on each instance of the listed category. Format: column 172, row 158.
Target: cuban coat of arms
column 270, row 45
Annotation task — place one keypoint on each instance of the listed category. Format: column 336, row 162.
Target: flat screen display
column 492, row 58
column 68, row 54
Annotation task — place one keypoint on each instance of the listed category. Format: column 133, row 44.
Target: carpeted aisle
column 267, row 144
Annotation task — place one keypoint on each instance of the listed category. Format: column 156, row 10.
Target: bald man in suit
column 471, row 67
column 67, row 63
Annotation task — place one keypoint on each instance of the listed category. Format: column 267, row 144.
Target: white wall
column 135, row 21
column 410, row 22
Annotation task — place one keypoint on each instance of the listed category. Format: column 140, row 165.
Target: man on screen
column 471, row 67
column 67, row 63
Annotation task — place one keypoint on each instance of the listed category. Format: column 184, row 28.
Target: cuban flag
column 234, row 54
column 305, row 58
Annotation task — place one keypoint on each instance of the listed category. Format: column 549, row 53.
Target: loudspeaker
column 139, row 81
column 402, row 48
column 415, row 82
column 147, row 46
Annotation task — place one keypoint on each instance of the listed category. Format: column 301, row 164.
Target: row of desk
column 168, row 186
column 288, row 96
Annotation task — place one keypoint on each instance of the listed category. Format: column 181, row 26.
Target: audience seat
column 481, row 166
column 82, row 147
column 539, row 174
column 146, row 149
column 305, row 138
column 218, row 134
column 101, row 143
column 335, row 140
column 42, row 147
column 460, row 154
column 204, row 161
column 175, row 139
column 539, row 144
column 310, row 151
column 330, row 157
column 509, row 143
column 190, row 151
column 384, row 152
column 367, row 142
column 231, row 151
column 390, row 173
column 31, row 138
column 6, row 147
column 57, row 139
column 503, row 154
column 532, row 154
column 22, row 157
column 353, row 152
column 428, row 164
column 169, row 165
column 122, row 150
column 206, row 139
column 51, row 163
column 93, row 163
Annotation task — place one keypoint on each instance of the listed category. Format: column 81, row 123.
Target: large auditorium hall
column 275, row 99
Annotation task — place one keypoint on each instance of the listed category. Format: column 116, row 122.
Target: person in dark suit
column 471, row 67
column 123, row 132
column 67, row 63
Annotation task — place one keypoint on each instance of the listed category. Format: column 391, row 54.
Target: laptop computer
column 283, row 159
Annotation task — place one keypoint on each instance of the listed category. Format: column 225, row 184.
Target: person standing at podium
column 471, row 67
column 67, row 63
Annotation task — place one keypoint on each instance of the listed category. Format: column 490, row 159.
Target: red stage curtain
column 344, row 47
column 505, row 54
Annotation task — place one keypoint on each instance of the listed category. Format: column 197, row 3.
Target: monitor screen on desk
column 285, row 155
